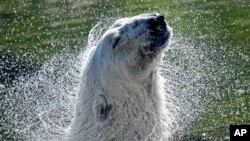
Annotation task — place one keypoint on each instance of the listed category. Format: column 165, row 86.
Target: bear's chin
column 159, row 41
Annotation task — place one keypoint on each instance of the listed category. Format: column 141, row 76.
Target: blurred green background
column 34, row 30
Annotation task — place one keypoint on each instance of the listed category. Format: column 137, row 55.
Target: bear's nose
column 160, row 18
column 157, row 21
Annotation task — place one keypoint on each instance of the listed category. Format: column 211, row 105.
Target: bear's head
column 133, row 46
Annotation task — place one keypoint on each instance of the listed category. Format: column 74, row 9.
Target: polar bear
column 121, row 97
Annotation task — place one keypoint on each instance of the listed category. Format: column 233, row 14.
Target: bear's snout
column 157, row 23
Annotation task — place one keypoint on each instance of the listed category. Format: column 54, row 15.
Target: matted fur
column 122, row 92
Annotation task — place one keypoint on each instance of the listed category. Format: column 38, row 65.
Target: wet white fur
column 137, row 97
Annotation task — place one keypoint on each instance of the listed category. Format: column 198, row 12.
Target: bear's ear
column 115, row 42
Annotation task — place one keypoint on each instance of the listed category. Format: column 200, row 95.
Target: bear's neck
column 141, row 93
column 126, row 86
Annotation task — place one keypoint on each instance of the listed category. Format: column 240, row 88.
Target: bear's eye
column 116, row 41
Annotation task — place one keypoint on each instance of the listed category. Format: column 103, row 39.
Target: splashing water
column 41, row 106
